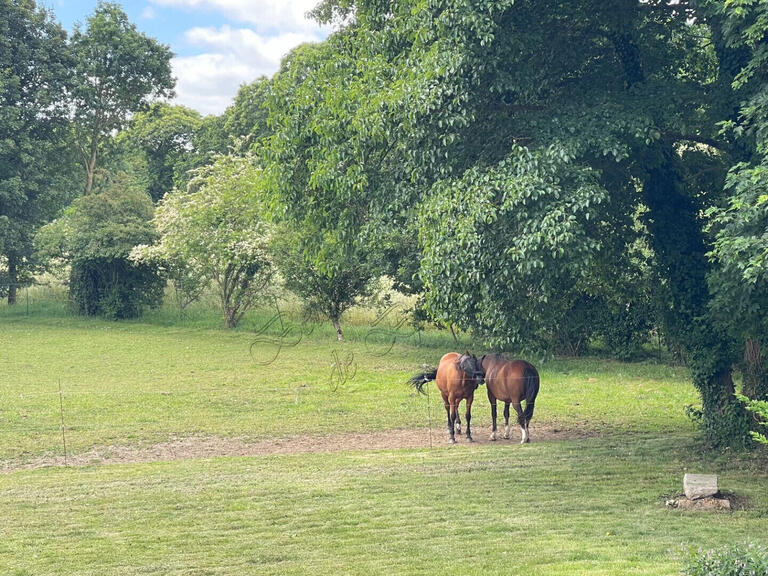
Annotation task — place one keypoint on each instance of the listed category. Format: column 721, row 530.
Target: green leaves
column 216, row 232
column 502, row 241
column 118, row 70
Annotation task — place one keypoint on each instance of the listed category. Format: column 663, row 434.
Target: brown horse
column 511, row 381
column 457, row 377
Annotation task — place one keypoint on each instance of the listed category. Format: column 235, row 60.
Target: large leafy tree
column 118, row 71
column 318, row 190
column 35, row 175
column 245, row 121
column 740, row 279
column 520, row 132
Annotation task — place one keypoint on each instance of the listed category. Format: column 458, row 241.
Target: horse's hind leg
column 506, row 420
column 493, row 418
column 521, row 421
column 458, row 420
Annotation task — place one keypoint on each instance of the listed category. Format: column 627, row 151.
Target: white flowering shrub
column 214, row 233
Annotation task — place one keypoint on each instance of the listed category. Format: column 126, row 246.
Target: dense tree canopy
column 529, row 140
column 95, row 236
column 34, row 182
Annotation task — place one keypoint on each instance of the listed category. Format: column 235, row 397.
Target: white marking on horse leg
column 506, row 432
column 493, row 435
column 525, row 435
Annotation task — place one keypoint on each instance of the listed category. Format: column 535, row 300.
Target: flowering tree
column 214, row 233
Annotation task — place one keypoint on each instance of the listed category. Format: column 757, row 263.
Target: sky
column 218, row 44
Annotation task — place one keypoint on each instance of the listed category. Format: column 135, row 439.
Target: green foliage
column 35, row 176
column 328, row 276
column 216, row 233
column 750, row 560
column 94, row 237
column 422, row 107
column 740, row 282
column 118, row 70
column 245, row 121
column 165, row 134
column 210, row 140
column 760, row 410
column 502, row 244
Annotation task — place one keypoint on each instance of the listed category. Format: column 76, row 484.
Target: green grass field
column 575, row 506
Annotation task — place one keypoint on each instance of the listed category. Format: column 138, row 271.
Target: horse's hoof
column 451, row 441
column 469, row 439
column 506, row 436
column 493, row 437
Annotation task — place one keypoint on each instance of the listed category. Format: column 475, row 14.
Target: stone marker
column 698, row 486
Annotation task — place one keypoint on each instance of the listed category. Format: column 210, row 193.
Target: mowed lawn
column 578, row 506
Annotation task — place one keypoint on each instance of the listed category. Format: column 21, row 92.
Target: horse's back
column 508, row 380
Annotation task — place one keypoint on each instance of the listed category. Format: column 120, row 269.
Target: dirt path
column 213, row 446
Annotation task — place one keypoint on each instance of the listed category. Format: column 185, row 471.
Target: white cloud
column 264, row 15
column 209, row 81
column 148, row 13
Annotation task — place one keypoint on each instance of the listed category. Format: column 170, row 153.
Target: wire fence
column 33, row 298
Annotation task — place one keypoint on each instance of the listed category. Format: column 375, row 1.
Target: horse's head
column 472, row 366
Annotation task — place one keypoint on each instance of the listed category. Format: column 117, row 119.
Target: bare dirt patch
column 193, row 447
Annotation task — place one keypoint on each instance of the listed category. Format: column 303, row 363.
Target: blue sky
column 219, row 44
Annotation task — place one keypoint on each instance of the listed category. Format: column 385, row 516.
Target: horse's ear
column 467, row 353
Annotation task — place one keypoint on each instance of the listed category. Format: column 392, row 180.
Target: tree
column 329, row 277
column 165, row 134
column 739, row 280
column 319, row 195
column 515, row 152
column 118, row 71
column 209, row 141
column 215, row 231
column 246, row 118
column 95, row 236
column 35, row 173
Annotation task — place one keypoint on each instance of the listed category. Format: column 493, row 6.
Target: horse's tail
column 419, row 380
column 531, row 390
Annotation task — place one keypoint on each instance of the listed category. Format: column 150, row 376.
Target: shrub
column 751, row 560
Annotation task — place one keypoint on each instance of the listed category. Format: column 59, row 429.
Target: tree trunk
column 755, row 373
column 90, row 169
column 679, row 245
column 337, row 327
column 12, row 278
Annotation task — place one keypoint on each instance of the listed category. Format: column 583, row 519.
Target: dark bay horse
column 457, row 377
column 511, row 381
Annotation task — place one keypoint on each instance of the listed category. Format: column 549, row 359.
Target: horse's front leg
column 469, row 418
column 506, row 420
column 458, row 419
column 450, row 413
